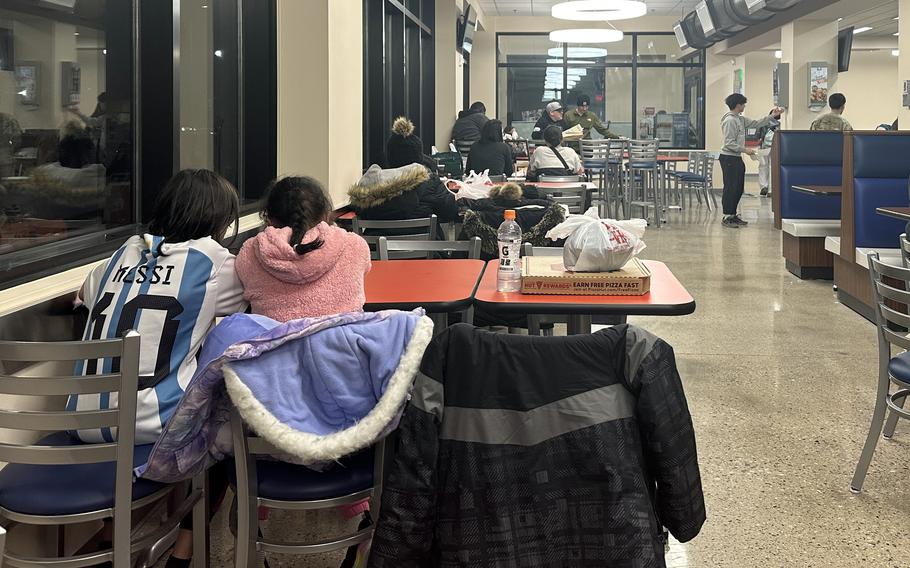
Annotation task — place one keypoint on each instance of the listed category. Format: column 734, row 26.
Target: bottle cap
column 510, row 214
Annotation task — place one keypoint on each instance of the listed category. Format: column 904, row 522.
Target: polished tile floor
column 780, row 381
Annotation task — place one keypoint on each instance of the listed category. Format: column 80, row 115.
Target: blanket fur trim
column 311, row 448
column 366, row 196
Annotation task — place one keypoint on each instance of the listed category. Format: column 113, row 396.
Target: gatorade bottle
column 509, row 238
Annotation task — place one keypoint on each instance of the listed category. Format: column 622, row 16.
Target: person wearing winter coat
column 470, row 123
column 552, row 115
column 734, row 126
column 490, row 154
column 302, row 266
column 559, row 451
column 404, row 147
column 408, row 192
column 535, row 217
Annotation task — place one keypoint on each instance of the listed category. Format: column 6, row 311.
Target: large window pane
column 618, row 100
column 526, row 94
column 208, row 86
column 659, row 49
column 601, row 53
column 65, row 132
column 669, row 105
column 528, row 49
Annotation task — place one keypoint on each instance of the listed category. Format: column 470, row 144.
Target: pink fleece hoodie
column 283, row 285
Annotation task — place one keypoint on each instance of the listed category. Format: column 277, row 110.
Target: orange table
column 668, row 297
column 438, row 286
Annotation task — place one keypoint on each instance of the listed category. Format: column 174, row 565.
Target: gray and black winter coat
column 541, row 452
column 408, row 192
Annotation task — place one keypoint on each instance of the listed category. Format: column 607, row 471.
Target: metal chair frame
column 386, row 247
column 887, row 319
column 249, row 542
column 125, row 382
column 560, row 179
column 616, row 180
column 905, row 250
column 574, row 198
column 542, row 324
column 597, row 151
column 428, row 233
column 644, row 153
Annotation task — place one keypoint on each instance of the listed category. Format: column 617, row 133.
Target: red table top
column 667, row 297
column 348, row 215
column 439, row 286
column 666, row 158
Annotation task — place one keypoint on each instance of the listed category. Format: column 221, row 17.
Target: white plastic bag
column 598, row 245
column 474, row 186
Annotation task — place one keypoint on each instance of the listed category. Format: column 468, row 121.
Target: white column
column 320, row 92
column 804, row 42
column 446, row 69
column 903, row 64
column 483, row 71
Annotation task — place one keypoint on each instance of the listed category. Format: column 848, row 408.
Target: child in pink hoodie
column 301, row 266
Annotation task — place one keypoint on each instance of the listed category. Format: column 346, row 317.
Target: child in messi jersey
column 168, row 284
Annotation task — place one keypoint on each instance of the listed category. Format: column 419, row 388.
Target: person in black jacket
column 490, row 152
column 470, row 123
column 541, row 451
column 408, row 192
column 552, row 115
column 404, row 147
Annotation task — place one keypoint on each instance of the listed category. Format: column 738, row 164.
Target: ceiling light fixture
column 861, row 30
column 586, row 36
column 896, row 34
column 778, row 54
column 895, row 52
column 580, row 52
column 599, row 10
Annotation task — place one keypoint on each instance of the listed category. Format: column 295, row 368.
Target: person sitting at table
column 302, row 265
column 552, row 116
column 404, row 147
column 75, row 166
column 490, row 153
column 469, row 126
column 535, row 217
column 554, row 159
column 408, row 192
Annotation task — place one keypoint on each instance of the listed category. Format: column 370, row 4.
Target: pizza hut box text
column 547, row 275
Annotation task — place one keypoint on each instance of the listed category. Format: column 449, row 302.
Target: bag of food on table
column 474, row 186
column 598, row 245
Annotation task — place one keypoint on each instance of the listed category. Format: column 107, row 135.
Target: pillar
column 483, row 72
column 903, row 63
column 446, row 70
column 804, row 42
column 320, row 92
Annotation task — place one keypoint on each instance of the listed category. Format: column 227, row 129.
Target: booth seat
column 807, row 158
column 876, row 175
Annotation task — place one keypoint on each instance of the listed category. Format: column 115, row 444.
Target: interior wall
column 320, row 92
column 872, row 97
column 447, row 105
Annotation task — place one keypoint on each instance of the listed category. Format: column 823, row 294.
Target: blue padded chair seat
column 643, row 165
column 691, row 177
column 599, row 164
column 899, row 367
column 67, row 489
column 291, row 482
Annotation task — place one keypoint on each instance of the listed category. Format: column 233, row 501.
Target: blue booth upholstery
column 880, row 173
column 810, row 158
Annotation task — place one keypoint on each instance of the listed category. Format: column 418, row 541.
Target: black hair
column 75, row 150
column 195, row 204
column 552, row 135
column 837, row 101
column 298, row 202
column 478, row 107
column 583, row 100
column 734, row 100
column 491, row 131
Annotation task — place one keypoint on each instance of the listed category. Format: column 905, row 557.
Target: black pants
column 734, row 169
column 218, row 484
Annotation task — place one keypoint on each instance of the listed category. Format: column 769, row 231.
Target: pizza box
column 547, row 275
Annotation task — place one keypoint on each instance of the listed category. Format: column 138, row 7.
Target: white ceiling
column 542, row 7
column 879, row 15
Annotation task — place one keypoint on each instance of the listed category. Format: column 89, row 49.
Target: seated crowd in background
column 554, row 159
column 490, row 153
column 470, row 123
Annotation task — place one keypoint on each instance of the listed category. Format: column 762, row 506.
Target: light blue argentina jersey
column 171, row 294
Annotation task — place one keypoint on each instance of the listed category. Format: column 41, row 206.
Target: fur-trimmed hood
column 377, row 186
column 318, row 389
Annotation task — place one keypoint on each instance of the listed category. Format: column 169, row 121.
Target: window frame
column 635, row 65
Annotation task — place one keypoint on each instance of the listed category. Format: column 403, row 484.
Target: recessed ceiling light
column 897, row 17
column 861, row 30
column 599, row 10
column 895, row 52
column 778, row 54
column 586, row 36
column 896, row 34
column 840, row 19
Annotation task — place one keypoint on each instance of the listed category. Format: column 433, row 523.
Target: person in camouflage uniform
column 587, row 119
column 10, row 135
column 834, row 119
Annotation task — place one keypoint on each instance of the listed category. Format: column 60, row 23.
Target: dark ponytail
column 298, row 202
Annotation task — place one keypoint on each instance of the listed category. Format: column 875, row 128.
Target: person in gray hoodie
column 734, row 126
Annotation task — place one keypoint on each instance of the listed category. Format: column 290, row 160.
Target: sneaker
column 730, row 223
column 764, row 191
column 739, row 221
